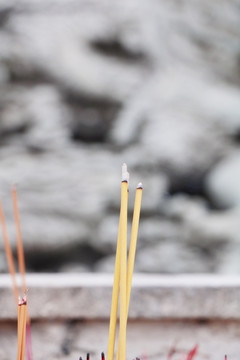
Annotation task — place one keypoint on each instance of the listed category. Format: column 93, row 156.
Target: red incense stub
column 171, row 352
column 192, row 353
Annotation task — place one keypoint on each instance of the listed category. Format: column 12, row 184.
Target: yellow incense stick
column 116, row 282
column 123, row 271
column 9, row 254
column 132, row 247
column 20, row 251
column 114, row 307
column 133, row 241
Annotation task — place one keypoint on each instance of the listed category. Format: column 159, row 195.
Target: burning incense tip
column 125, row 174
column 22, row 301
column 102, row 356
column 140, row 186
column 88, row 356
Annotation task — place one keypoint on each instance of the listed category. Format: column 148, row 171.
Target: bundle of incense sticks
column 24, row 323
column 22, row 320
column 122, row 276
column 121, row 285
column 123, row 269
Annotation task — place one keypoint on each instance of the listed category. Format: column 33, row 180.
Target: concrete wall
column 70, row 316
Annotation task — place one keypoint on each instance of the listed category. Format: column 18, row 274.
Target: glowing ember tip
column 140, row 186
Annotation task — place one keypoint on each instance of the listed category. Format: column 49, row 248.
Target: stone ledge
column 88, row 296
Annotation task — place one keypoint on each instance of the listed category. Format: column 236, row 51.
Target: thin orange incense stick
column 22, row 267
column 20, row 329
column 24, row 330
column 9, row 254
column 20, row 251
